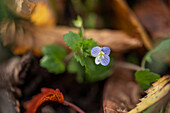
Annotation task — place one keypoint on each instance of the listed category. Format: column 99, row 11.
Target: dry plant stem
column 74, row 107
column 128, row 65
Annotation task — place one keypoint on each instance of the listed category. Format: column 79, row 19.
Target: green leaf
column 72, row 66
column 55, row 51
column 78, row 22
column 87, row 46
column 73, row 40
column 53, row 58
column 53, row 65
column 145, row 77
column 93, row 72
column 89, row 72
column 157, row 58
column 97, row 72
column 80, row 58
column 160, row 52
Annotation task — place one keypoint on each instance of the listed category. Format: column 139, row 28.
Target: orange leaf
column 46, row 95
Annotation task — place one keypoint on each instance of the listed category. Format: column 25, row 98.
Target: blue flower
column 101, row 54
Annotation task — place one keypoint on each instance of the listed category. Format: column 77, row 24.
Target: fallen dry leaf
column 117, row 40
column 121, row 92
column 46, row 95
column 124, row 19
column 159, row 89
column 22, row 36
column 155, row 17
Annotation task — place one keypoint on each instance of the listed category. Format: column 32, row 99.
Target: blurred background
column 130, row 28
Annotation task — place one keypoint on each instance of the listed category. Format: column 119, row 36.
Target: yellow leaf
column 158, row 90
column 42, row 15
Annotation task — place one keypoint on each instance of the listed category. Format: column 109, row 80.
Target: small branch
column 74, row 107
column 128, row 66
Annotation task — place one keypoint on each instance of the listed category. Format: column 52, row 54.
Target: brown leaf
column 22, row 36
column 117, row 40
column 121, row 92
column 124, row 19
column 154, row 16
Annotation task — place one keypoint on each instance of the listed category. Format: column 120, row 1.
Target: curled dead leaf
column 46, row 95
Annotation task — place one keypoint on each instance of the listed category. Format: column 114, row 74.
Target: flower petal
column 105, row 61
column 97, row 60
column 95, row 51
column 106, row 50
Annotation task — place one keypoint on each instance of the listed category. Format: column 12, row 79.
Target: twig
column 74, row 107
column 128, row 66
